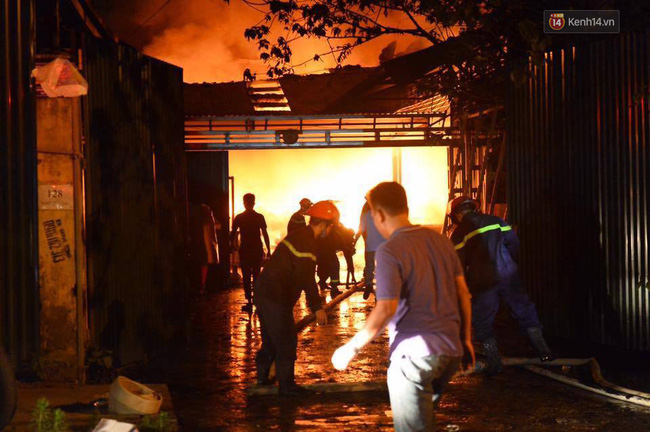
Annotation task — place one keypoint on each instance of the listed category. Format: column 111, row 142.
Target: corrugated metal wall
column 135, row 196
column 18, row 229
column 578, row 189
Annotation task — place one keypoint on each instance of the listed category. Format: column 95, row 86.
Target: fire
column 206, row 39
column 280, row 178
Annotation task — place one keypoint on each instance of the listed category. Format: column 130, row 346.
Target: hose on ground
column 305, row 321
column 605, row 388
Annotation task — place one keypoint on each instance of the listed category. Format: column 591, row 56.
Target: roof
column 326, row 93
column 352, row 89
column 210, row 99
column 305, row 94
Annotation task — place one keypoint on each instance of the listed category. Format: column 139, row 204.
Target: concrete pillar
column 62, row 281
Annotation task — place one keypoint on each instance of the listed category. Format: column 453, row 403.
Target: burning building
column 329, row 136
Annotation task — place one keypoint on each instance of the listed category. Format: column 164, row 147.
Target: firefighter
column 290, row 271
column 339, row 239
column 488, row 249
column 298, row 218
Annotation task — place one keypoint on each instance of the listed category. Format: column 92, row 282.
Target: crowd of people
column 249, row 227
column 437, row 296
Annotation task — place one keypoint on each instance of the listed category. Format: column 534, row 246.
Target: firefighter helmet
column 454, row 205
column 325, row 210
column 306, row 201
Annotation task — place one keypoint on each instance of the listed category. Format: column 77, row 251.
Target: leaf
column 41, row 415
column 59, row 423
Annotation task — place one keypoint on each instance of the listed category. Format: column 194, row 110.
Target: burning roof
column 388, row 88
column 296, row 94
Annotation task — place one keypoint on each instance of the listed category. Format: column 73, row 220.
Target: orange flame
column 280, row 178
column 206, row 39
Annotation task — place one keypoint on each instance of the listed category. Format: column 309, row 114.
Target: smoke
column 388, row 53
column 209, row 48
column 206, row 38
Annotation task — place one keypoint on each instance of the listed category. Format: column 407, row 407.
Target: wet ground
column 209, row 385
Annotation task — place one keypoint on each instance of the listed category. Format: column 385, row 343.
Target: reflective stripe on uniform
column 296, row 253
column 481, row 231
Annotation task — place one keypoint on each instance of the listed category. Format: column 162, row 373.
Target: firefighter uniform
column 297, row 221
column 289, row 271
column 488, row 250
column 339, row 239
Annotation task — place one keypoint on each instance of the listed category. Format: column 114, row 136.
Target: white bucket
column 129, row 397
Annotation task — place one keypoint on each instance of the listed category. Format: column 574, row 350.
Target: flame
column 280, row 178
column 206, row 39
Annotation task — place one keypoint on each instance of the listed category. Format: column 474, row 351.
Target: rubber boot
column 263, row 375
column 367, row 291
column 264, row 366
column 491, row 352
column 539, row 343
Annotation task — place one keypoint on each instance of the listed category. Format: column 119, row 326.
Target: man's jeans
column 415, row 385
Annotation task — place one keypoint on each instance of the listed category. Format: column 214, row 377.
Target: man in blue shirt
column 372, row 239
column 423, row 299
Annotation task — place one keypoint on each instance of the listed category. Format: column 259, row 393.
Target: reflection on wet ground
column 209, row 386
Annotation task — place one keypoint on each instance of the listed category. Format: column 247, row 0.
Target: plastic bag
column 110, row 425
column 59, row 78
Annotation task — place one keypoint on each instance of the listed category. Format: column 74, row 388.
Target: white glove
column 343, row 356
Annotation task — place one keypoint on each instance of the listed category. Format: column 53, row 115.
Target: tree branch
column 423, row 32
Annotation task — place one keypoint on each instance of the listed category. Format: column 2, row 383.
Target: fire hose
column 305, row 321
column 605, row 388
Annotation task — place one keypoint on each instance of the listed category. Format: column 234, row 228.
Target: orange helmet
column 325, row 210
column 457, row 202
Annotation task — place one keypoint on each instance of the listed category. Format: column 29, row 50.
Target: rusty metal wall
column 578, row 189
column 18, row 231
column 135, row 197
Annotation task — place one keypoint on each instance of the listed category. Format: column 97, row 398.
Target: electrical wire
column 150, row 18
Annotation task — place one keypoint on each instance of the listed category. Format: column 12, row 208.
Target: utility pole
column 397, row 164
